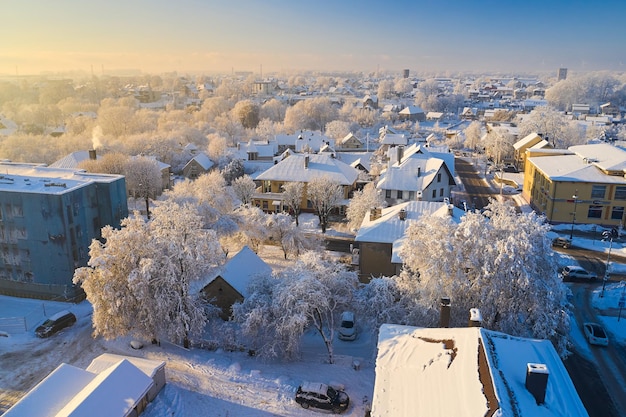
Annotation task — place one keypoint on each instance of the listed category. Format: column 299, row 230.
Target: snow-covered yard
column 223, row 383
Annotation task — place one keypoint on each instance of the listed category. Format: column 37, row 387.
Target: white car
column 573, row 272
column 347, row 328
column 595, row 334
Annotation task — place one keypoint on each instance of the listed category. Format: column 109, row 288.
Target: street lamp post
column 608, row 235
column 575, row 197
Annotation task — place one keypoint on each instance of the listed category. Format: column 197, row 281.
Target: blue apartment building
column 48, row 219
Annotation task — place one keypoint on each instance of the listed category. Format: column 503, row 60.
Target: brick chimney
column 537, row 380
column 375, row 213
column 306, row 162
column 444, row 315
column 92, row 154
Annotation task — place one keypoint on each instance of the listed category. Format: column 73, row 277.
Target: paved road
column 601, row 385
column 477, row 190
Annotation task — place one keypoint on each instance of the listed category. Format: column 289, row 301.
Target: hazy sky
column 284, row 35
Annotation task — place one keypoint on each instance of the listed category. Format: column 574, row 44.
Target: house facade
column 415, row 174
column 381, row 234
column 48, row 218
column 302, row 168
column 584, row 184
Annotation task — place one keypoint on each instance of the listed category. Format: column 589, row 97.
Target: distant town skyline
column 284, row 36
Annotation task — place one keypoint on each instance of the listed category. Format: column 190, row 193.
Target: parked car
column 322, row 396
column 55, row 323
column 510, row 168
column 562, row 242
column 347, row 328
column 595, row 334
column 573, row 272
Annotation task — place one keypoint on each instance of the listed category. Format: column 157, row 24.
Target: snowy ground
column 220, row 383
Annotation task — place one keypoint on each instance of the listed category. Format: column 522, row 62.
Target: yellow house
column 302, row 168
column 530, row 141
column 584, row 184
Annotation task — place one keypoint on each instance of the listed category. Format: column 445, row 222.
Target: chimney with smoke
column 92, row 154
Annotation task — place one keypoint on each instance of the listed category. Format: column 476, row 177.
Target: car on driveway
column 562, row 242
column 347, row 327
column 577, row 273
column 322, row 396
column 59, row 321
column 595, row 334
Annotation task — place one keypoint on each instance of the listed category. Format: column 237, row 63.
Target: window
column 598, row 191
column 411, row 195
column 434, row 193
column 399, row 194
column 595, row 212
column 267, row 186
column 439, row 177
column 387, row 193
column 441, row 192
column 617, row 213
column 620, row 193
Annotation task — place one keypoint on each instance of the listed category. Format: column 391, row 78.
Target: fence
column 32, row 318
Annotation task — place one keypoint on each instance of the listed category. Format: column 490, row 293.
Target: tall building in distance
column 405, row 73
column 562, row 74
column 48, row 219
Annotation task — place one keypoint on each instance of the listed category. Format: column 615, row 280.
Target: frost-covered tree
column 143, row 179
column 500, row 262
column 550, row 124
column 233, row 170
column 379, row 301
column 214, row 200
column 311, row 293
column 139, row 279
column 252, row 227
column 361, row 203
column 244, row 188
column 325, row 194
column 473, row 133
column 292, row 240
column 247, row 112
column 293, row 193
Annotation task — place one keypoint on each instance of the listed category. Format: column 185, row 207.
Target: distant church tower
column 562, row 74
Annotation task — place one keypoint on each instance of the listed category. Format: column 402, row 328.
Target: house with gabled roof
column 471, row 372
column 302, row 168
column 229, row 284
column 119, row 387
column 381, row 234
column 414, row 173
column 532, row 140
column 412, row 113
column 350, row 141
column 198, row 165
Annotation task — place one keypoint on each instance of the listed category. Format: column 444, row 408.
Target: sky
column 282, row 36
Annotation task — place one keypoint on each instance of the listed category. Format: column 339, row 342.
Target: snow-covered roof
column 603, row 155
column 107, row 360
column 441, row 372
column 394, row 139
column 572, row 168
column 113, row 392
column 292, row 169
column 72, row 160
column 37, row 178
column 388, row 227
column 203, row 160
column 240, row 269
column 526, row 140
column 52, row 394
column 411, row 110
column 412, row 174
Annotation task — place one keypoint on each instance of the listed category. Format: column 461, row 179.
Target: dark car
column 59, row 321
column 322, row 396
column 563, row 242
column 510, row 168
